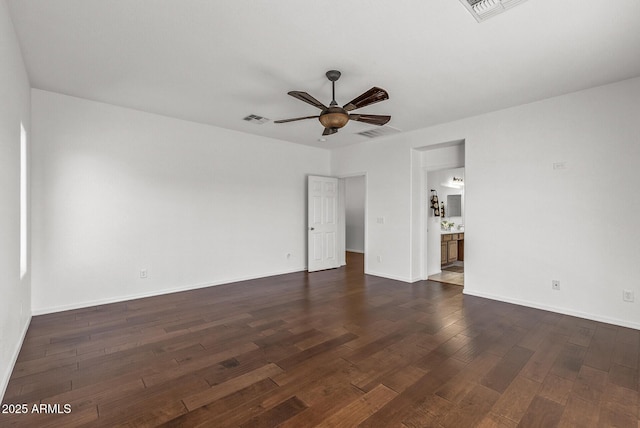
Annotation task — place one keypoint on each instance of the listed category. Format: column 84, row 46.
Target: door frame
column 423, row 171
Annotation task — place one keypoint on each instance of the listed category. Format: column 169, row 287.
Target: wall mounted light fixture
column 454, row 183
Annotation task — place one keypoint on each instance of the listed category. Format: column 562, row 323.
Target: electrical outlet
column 143, row 273
column 627, row 295
column 379, row 259
column 555, row 284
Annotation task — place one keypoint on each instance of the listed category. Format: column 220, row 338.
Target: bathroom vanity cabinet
column 451, row 247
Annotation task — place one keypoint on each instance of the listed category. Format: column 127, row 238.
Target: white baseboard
column 7, row 375
column 116, row 299
column 385, row 275
column 559, row 310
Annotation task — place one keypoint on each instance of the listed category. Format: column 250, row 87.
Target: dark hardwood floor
column 332, row 349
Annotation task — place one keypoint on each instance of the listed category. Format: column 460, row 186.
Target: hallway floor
column 451, row 274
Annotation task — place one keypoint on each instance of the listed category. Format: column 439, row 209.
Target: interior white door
column 322, row 223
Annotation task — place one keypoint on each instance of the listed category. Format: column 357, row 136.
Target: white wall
column 447, row 155
column 388, row 200
column 526, row 223
column 118, row 190
column 15, row 293
column 354, row 212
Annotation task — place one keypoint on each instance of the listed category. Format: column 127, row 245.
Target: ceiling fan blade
column 294, row 119
column 329, row 131
column 303, row 96
column 373, row 119
column 372, row 96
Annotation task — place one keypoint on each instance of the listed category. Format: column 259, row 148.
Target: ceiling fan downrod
column 333, row 75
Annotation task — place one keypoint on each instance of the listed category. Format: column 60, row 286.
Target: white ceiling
column 217, row 61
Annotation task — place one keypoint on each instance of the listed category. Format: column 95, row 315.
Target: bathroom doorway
column 442, row 170
column 446, row 225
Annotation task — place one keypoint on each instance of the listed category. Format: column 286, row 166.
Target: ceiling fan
column 335, row 117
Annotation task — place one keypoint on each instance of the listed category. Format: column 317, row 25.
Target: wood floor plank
column 472, row 408
column 402, row 378
column 292, row 361
column 428, row 411
column 544, row 357
column 324, row 365
column 556, row 388
column 400, row 407
column 204, row 415
column 569, row 361
column 624, row 376
column 32, row 392
column 324, row 394
column 590, row 384
column 622, row 399
column 542, row 413
column 218, row 391
column 152, row 416
column 516, row 399
column 324, row 404
column 578, row 413
column 493, row 420
column 501, row 376
column 352, row 414
column 332, row 348
column 626, row 353
column 92, row 395
column 118, row 410
column 206, row 359
column 598, row 354
column 461, row 384
column 611, row 416
column 276, row 415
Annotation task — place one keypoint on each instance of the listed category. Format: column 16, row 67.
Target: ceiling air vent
column 379, row 132
column 485, row 9
column 258, row 120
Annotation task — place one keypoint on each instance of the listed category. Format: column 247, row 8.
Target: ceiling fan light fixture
column 334, row 117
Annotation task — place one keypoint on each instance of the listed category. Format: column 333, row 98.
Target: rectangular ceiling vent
column 379, row 131
column 258, row 120
column 485, row 9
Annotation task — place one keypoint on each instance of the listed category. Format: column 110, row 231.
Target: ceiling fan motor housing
column 334, row 117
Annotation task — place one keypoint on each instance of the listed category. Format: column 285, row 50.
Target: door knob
column 311, row 228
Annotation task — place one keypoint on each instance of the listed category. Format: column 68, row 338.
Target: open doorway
column 354, row 219
column 447, row 186
column 441, row 244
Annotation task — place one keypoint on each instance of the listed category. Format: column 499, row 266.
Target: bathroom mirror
column 454, row 205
